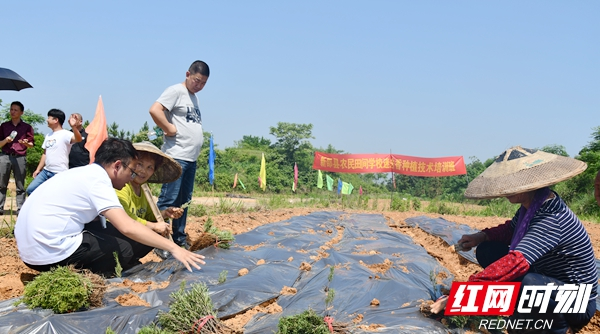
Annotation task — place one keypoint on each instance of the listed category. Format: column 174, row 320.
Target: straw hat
column 519, row 170
column 168, row 171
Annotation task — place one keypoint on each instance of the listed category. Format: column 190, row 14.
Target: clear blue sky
column 421, row 78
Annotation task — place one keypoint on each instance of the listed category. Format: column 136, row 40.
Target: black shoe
column 1, row 212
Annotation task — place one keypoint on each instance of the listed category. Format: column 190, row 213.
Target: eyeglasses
column 133, row 174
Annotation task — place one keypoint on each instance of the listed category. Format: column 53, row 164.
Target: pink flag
column 360, row 190
column 96, row 130
column 295, row 177
column 235, row 180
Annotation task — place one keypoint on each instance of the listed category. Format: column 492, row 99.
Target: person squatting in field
column 543, row 243
column 50, row 231
column 153, row 166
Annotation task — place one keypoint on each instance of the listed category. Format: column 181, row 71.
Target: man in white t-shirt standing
column 177, row 113
column 57, row 146
column 50, row 230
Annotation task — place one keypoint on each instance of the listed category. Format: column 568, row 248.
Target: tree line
column 291, row 143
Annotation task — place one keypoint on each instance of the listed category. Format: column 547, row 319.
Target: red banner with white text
column 384, row 163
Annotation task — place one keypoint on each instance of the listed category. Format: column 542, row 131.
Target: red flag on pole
column 360, row 190
column 96, row 130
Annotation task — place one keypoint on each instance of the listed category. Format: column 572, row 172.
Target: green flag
column 241, row 184
column 345, row 188
column 329, row 183
column 320, row 180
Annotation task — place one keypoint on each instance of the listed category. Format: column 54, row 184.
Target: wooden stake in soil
column 154, row 207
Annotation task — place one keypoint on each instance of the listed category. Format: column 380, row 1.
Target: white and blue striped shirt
column 557, row 245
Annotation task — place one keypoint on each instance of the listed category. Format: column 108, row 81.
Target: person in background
column 544, row 242
column 13, row 155
column 153, row 166
column 79, row 155
column 177, row 113
column 50, row 231
column 57, row 146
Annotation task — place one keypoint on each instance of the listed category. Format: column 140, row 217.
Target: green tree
column 113, row 130
column 253, row 142
column 28, row 117
column 291, row 137
column 555, row 149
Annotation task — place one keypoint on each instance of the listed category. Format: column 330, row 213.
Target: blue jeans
column 42, row 177
column 177, row 193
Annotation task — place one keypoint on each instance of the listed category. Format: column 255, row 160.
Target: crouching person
column 153, row 166
column 50, row 228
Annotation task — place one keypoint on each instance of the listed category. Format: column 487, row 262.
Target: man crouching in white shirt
column 50, row 228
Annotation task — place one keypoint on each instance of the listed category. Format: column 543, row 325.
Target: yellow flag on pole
column 96, row 130
column 263, row 174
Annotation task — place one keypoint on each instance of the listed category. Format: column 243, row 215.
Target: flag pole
column 392, row 190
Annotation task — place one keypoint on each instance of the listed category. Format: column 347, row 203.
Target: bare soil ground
column 13, row 272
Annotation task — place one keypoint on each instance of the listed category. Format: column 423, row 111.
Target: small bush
column 224, row 238
column 400, row 204
column 61, row 290
column 222, row 276
column 152, row 329
column 305, row 322
column 187, row 308
column 197, row 210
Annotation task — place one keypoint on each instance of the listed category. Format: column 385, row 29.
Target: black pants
column 96, row 253
column 490, row 251
column 139, row 250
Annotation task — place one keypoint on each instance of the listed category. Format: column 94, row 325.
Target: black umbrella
column 9, row 80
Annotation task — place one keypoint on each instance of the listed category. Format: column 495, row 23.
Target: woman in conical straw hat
column 544, row 242
column 153, row 166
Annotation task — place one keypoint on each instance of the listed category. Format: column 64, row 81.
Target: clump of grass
column 330, row 291
column 7, row 228
column 224, row 238
column 375, row 204
column 227, row 206
column 197, row 210
column 152, row 329
column 61, row 290
column 400, row 204
column 188, row 308
column 309, row 321
column 222, row 276
column 441, row 207
column 416, row 204
column 118, row 268
column 459, row 321
column 305, row 322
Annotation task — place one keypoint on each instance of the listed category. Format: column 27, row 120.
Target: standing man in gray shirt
column 177, row 113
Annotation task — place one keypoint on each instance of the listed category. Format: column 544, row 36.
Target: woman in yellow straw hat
column 153, row 166
column 544, row 242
